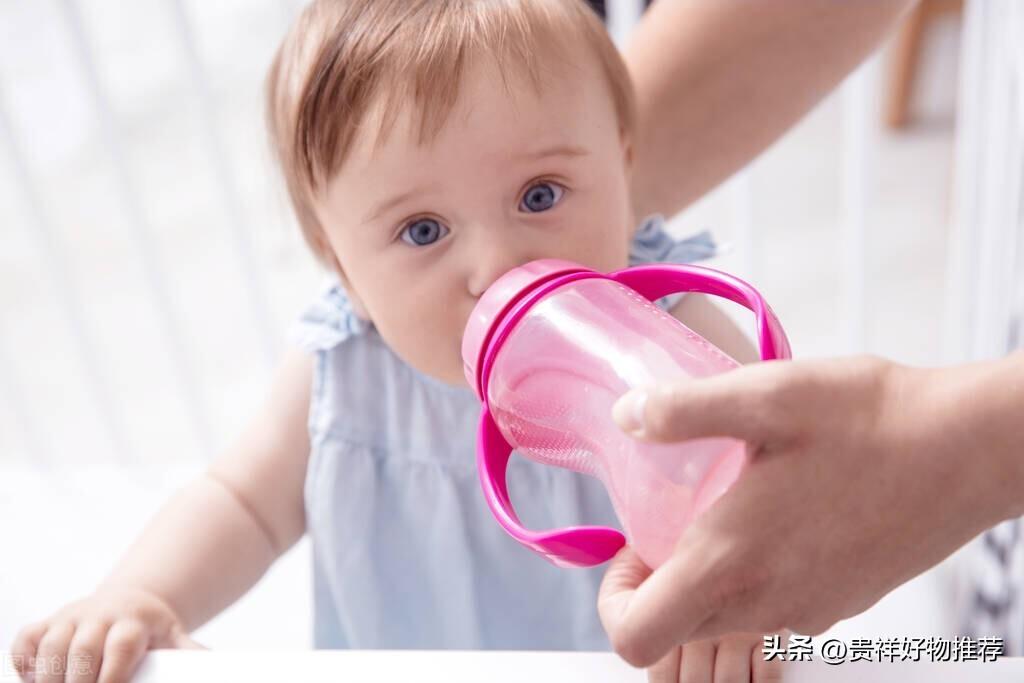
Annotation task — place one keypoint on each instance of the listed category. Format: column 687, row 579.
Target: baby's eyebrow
column 555, row 151
column 394, row 201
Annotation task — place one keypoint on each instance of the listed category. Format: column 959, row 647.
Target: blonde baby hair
column 344, row 57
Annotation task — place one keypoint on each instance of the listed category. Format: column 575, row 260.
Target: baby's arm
column 699, row 313
column 207, row 545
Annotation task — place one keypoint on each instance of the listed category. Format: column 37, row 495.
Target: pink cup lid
column 498, row 298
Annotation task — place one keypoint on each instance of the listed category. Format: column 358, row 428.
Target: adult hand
column 732, row 658
column 862, row 474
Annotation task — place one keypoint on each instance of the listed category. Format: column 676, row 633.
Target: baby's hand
column 735, row 658
column 100, row 638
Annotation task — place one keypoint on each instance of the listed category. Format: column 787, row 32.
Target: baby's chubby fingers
column 126, row 644
column 25, row 647
column 99, row 639
column 85, row 653
column 51, row 656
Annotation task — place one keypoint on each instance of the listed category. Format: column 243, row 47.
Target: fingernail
column 628, row 411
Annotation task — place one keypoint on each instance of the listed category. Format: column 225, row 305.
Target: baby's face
column 421, row 231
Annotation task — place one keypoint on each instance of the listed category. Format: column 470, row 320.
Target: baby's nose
column 491, row 263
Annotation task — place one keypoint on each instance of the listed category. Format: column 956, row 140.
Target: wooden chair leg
column 907, row 55
column 901, row 76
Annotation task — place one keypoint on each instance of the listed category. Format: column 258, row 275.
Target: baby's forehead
column 496, row 112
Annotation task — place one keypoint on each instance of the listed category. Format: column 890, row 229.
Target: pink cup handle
column 580, row 546
column 586, row 546
column 658, row 280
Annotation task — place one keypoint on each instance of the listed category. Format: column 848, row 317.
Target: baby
column 428, row 147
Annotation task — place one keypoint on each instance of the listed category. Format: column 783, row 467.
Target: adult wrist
column 981, row 428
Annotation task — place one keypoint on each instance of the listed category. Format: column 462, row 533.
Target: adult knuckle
column 813, row 625
column 777, row 616
column 808, row 619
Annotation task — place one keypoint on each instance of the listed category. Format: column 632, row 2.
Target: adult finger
column 732, row 660
column 766, row 671
column 666, row 670
column 740, row 403
column 697, row 662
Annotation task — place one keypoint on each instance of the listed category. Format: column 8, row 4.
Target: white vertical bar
column 1015, row 335
column 854, row 204
column 142, row 233
column 988, row 224
column 621, row 17
column 52, row 255
column 961, row 282
column 214, row 144
column 742, row 196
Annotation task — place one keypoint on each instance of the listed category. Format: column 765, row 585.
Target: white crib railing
column 986, row 276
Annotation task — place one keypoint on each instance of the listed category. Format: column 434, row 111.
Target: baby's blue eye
column 423, row 232
column 541, row 197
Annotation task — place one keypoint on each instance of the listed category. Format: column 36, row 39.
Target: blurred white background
column 150, row 268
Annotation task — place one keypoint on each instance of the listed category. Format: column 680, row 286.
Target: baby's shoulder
column 328, row 321
column 358, row 380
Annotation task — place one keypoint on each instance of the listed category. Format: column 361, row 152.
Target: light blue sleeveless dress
column 406, row 554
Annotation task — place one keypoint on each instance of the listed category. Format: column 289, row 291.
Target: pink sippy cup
column 550, row 347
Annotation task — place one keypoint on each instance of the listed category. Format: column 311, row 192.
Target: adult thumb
column 740, row 403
